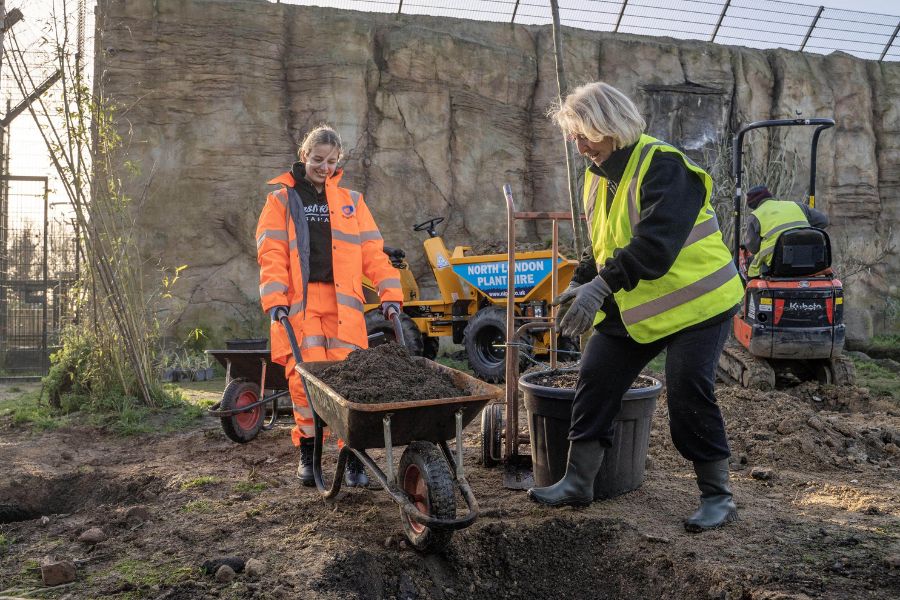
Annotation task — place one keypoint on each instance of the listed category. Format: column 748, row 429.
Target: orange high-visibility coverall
column 327, row 318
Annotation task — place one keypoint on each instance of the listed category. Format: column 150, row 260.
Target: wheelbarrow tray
column 361, row 426
column 247, row 364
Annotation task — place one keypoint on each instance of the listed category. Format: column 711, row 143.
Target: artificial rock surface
column 437, row 113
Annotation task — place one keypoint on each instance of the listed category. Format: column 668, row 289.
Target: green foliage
column 145, row 574
column 459, row 365
column 5, row 543
column 27, row 409
column 879, row 380
column 201, row 481
column 249, row 487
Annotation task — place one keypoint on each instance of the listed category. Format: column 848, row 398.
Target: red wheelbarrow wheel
column 425, row 477
column 242, row 427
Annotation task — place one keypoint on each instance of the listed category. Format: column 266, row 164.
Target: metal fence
column 752, row 23
column 38, row 269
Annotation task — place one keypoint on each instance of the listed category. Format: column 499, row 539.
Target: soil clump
column 568, row 379
column 387, row 373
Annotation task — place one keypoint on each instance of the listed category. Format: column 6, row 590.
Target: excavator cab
column 790, row 325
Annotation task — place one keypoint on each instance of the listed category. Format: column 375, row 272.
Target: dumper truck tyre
column 243, row 426
column 426, row 479
column 431, row 345
column 376, row 323
column 483, row 338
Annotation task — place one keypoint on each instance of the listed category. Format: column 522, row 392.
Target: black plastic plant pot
column 549, row 413
column 247, row 344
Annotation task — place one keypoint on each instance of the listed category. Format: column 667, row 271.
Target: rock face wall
column 436, row 114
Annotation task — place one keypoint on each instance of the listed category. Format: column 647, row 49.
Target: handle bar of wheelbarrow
column 394, row 316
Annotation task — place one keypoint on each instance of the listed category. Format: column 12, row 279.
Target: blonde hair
column 597, row 110
column 323, row 134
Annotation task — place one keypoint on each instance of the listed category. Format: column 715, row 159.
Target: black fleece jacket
column 321, row 268
column 671, row 199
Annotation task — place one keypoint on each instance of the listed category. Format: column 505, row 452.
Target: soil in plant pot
column 568, row 379
column 387, row 373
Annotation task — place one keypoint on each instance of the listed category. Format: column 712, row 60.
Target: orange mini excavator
column 790, row 326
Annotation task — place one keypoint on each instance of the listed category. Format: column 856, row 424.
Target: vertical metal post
column 388, row 448
column 554, row 292
column 719, row 22
column 621, row 14
column 890, row 42
column 512, row 352
column 811, row 27
column 515, row 10
column 460, row 472
column 45, row 277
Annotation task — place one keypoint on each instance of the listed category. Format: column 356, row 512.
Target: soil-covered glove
column 388, row 307
column 588, row 300
column 276, row 312
column 567, row 294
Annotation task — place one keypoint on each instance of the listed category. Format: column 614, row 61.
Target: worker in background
column 315, row 241
column 769, row 219
column 666, row 281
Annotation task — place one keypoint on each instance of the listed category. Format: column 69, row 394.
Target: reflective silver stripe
column 355, row 196
column 296, row 308
column 368, row 236
column 272, row 287
column 345, row 237
column 763, row 253
column 392, row 282
column 678, row 297
column 303, row 411
column 783, row 226
column 336, row 343
column 633, row 213
column 271, row 234
column 351, row 301
column 281, row 196
column 592, row 194
column 312, row 341
column 292, row 245
column 702, row 230
column 307, row 431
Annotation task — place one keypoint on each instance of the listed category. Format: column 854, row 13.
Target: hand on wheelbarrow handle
column 375, row 339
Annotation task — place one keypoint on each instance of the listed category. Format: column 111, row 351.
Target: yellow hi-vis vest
column 702, row 283
column 775, row 217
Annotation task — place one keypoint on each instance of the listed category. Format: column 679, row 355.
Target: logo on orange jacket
column 348, row 210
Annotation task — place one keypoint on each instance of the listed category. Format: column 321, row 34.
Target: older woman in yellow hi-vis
column 666, row 281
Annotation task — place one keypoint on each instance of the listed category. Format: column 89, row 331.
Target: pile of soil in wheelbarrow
column 387, row 373
column 568, row 379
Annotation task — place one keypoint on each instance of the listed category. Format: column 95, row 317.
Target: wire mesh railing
column 753, row 23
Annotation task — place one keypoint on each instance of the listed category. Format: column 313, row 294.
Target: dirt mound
column 387, row 373
column 568, row 380
column 503, row 560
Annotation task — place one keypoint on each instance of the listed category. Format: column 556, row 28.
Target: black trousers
column 611, row 363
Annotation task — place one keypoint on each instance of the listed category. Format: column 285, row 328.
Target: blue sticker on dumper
column 490, row 277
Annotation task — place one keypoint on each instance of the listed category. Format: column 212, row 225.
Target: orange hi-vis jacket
column 357, row 249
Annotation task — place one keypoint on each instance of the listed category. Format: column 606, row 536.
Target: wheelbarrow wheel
column 243, row 426
column 426, row 479
column 491, row 434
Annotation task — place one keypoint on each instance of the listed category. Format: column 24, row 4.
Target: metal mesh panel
column 752, row 23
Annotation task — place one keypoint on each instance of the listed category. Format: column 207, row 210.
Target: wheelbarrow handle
column 295, row 348
column 394, row 316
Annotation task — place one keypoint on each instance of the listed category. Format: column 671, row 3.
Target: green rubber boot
column 716, row 504
column 576, row 488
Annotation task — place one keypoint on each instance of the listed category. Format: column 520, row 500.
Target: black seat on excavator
column 799, row 252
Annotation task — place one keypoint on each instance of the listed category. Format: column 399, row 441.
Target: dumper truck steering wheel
column 429, row 226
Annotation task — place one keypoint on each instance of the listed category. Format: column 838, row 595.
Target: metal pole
column 719, row 22
column 512, row 356
column 400, row 7
column 45, row 269
column 554, row 291
column 811, row 27
column 890, row 42
column 621, row 14
column 515, row 10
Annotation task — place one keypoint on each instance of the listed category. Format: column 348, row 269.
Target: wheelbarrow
column 253, row 386
column 425, row 481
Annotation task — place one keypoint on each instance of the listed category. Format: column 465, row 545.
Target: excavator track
column 738, row 367
column 841, row 371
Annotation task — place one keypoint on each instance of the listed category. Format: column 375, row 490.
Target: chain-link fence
column 752, row 23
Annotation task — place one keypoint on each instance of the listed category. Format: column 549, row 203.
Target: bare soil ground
column 815, row 475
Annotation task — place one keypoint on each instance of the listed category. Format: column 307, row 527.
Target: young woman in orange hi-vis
column 315, row 241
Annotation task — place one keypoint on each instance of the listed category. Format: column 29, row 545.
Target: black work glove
column 588, row 300
column 276, row 312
